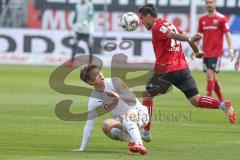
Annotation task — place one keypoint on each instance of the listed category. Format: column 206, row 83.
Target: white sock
column 133, row 130
column 118, row 134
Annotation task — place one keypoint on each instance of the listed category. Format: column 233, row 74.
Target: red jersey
column 168, row 52
column 213, row 29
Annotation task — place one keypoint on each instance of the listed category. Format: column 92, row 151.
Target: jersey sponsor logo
column 163, row 29
column 215, row 21
column 209, row 27
column 111, row 106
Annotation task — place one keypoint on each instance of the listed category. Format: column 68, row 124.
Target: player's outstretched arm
column 194, row 46
column 184, row 37
column 88, row 129
column 196, row 53
column 237, row 64
column 87, row 134
column 229, row 42
column 191, row 40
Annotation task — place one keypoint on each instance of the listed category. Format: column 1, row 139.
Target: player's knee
column 106, row 126
column 194, row 100
column 147, row 96
column 210, row 74
column 109, row 124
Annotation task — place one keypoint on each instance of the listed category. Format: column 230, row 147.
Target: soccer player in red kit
column 171, row 67
column 213, row 26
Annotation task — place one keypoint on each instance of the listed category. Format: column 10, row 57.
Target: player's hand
column 78, row 150
column 112, row 94
column 237, row 65
column 196, row 37
column 200, row 54
column 192, row 56
column 231, row 54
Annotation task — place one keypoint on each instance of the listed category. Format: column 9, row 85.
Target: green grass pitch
column 29, row 129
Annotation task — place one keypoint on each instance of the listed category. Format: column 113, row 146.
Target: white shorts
column 139, row 111
column 142, row 115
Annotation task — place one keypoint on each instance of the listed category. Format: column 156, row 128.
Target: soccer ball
column 129, row 21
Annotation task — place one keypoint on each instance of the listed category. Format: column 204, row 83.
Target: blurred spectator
column 83, row 26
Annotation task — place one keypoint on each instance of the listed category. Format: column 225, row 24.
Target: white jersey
column 96, row 100
column 84, row 18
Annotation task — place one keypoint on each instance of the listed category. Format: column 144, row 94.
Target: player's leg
column 148, row 102
column 90, row 48
column 130, row 123
column 142, row 120
column 76, row 40
column 187, row 85
column 212, row 103
column 217, row 86
column 88, row 39
column 218, row 90
column 208, row 68
column 155, row 86
column 184, row 81
column 113, row 129
column 210, row 82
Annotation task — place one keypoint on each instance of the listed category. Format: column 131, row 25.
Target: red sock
column 208, row 102
column 217, row 89
column 210, row 88
column 149, row 105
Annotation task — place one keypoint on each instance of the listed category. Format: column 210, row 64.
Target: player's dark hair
column 85, row 72
column 148, row 9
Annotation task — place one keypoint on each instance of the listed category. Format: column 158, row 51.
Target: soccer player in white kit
column 129, row 116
